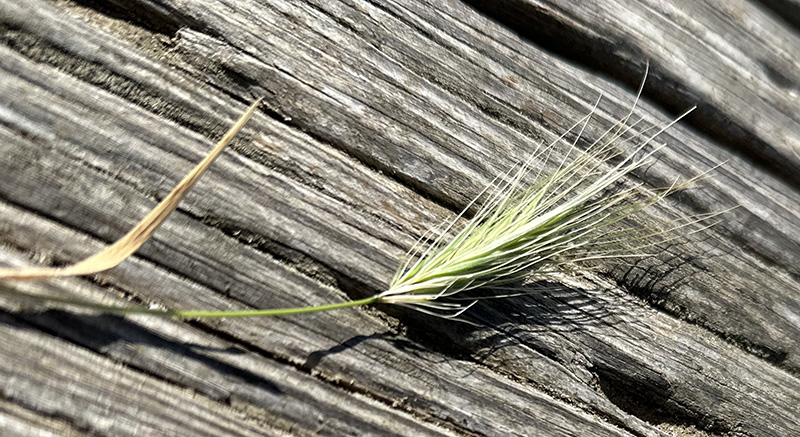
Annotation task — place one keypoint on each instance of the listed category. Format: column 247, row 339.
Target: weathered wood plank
column 787, row 10
column 358, row 355
column 731, row 58
column 438, row 99
column 766, row 227
column 97, row 395
column 17, row 420
column 277, row 398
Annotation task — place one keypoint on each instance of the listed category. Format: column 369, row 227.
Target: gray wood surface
column 381, row 119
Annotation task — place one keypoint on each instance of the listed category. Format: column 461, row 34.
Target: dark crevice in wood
column 499, row 319
column 151, row 15
column 239, row 80
column 13, row 319
column 98, row 332
column 310, row 127
column 516, row 117
column 786, row 10
column 616, row 384
column 769, row 354
column 35, row 48
column 276, row 250
column 76, row 425
column 58, row 424
column 648, row 396
column 80, row 330
column 654, row 280
column 303, row 179
column 309, row 367
column 592, row 408
column 40, row 50
column 95, row 333
column 777, row 76
column 366, row 160
column 622, row 60
column 298, row 261
column 635, row 387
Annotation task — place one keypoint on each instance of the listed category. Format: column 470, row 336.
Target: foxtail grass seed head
column 568, row 217
column 563, row 219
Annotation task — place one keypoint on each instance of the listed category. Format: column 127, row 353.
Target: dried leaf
column 128, row 244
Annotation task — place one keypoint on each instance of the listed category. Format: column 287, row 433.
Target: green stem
column 274, row 311
column 188, row 314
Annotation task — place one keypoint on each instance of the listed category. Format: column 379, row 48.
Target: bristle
column 563, row 218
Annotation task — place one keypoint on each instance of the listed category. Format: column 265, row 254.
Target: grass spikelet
column 533, row 223
column 559, row 220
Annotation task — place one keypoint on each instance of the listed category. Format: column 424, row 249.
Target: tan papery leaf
column 114, row 254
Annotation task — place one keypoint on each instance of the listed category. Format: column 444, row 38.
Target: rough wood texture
column 381, row 119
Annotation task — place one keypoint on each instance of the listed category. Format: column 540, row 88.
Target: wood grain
column 380, row 121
